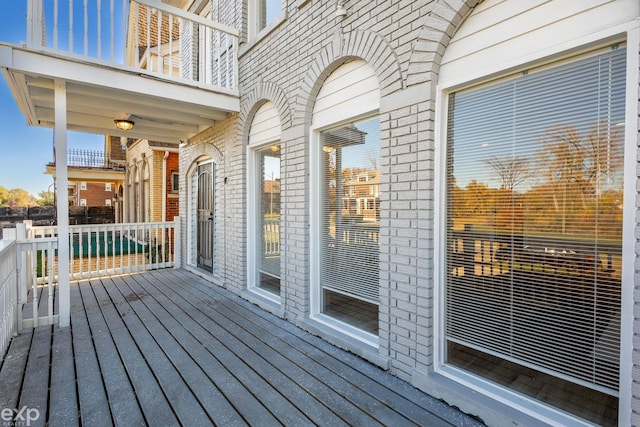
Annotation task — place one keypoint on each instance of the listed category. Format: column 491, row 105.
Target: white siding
column 265, row 126
column 350, row 91
column 502, row 34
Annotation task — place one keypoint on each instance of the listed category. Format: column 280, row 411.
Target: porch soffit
column 97, row 94
column 89, row 174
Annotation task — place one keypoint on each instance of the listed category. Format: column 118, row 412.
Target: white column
column 164, row 186
column 60, row 106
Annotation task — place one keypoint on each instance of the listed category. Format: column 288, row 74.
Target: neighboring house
column 96, row 178
column 456, row 181
column 83, row 193
column 152, row 181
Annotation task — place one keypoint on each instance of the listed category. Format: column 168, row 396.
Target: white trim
column 439, row 220
column 352, row 88
column 628, row 226
column 533, row 408
column 347, row 330
column 265, row 130
column 254, row 34
column 315, row 189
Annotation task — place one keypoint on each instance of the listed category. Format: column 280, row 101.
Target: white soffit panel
column 350, row 91
column 265, row 126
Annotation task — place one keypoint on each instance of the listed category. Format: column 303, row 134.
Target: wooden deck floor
column 168, row 348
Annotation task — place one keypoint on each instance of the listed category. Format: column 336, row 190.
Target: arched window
column 345, row 212
column 264, row 202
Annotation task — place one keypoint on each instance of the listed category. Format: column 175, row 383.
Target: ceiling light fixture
column 124, row 124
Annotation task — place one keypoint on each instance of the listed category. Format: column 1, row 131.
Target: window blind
column 351, row 210
column 534, row 218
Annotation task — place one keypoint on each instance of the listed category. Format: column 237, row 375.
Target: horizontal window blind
column 534, row 212
column 351, row 210
column 269, row 217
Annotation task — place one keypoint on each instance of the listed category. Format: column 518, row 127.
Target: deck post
column 60, row 139
column 177, row 243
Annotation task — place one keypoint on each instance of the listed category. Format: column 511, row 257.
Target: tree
column 578, row 170
column 45, row 198
column 512, row 170
column 16, row 197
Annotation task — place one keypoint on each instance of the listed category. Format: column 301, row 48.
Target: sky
column 25, row 150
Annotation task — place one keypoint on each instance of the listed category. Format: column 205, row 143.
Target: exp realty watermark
column 18, row 417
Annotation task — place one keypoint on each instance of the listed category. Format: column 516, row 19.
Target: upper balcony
column 171, row 72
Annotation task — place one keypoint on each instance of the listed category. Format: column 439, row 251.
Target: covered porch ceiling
column 98, row 93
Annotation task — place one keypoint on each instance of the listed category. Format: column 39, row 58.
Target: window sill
column 493, row 404
column 265, row 300
column 341, row 335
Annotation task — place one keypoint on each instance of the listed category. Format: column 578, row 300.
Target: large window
column 350, row 223
column 534, row 232
column 268, row 219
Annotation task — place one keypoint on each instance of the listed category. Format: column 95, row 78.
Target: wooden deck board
column 186, row 355
column 244, row 344
column 12, row 372
column 167, row 348
column 282, row 395
column 152, row 400
column 174, row 386
column 122, row 399
column 305, row 347
column 94, row 408
column 36, row 374
column 63, row 410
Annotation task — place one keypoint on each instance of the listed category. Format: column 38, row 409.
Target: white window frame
column 315, row 219
column 254, row 33
column 83, row 185
column 175, row 182
column 253, row 196
column 107, row 202
column 631, row 34
column 83, row 202
column 107, row 186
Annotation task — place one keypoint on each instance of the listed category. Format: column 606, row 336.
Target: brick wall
column 96, row 193
column 385, row 36
column 173, row 166
column 403, row 42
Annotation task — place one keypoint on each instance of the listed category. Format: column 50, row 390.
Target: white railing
column 8, row 294
column 107, row 249
column 148, row 35
column 29, row 286
column 35, row 265
column 271, row 236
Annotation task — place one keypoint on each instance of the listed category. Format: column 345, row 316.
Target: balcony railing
column 144, row 34
column 29, row 294
column 78, row 157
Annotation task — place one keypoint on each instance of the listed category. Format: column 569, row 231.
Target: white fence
column 8, row 294
column 109, row 249
column 146, row 34
column 29, row 267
